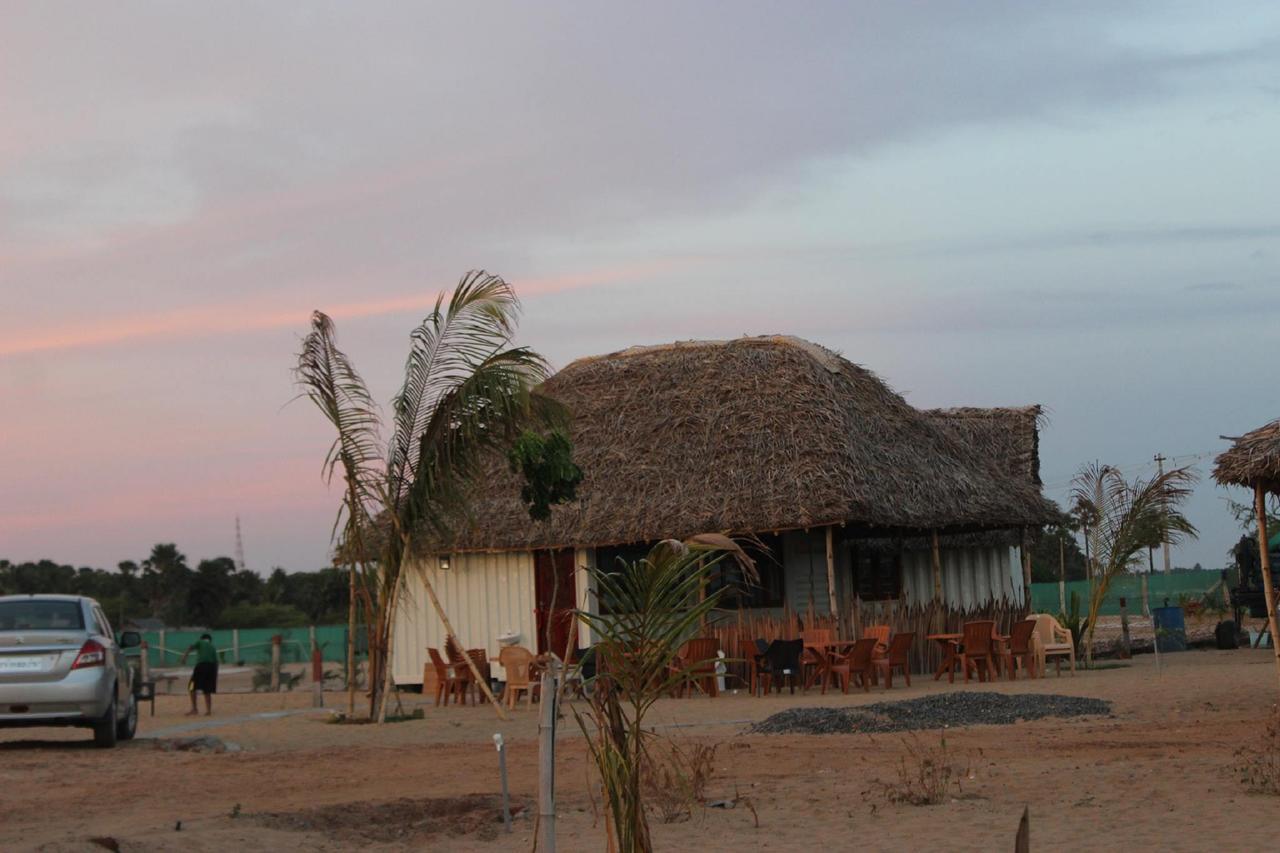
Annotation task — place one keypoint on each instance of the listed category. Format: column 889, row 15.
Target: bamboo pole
column 351, row 640
column 1260, row 506
column 1026, row 567
column 831, row 572
column 1062, row 575
column 937, row 567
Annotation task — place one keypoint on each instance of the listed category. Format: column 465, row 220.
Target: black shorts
column 204, row 679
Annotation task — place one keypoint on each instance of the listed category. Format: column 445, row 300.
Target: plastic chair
column 856, row 662
column 445, row 685
column 898, row 657
column 977, row 649
column 517, row 661
column 700, row 656
column 781, row 661
column 1021, row 649
column 1055, row 642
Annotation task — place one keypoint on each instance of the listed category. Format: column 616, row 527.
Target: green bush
column 262, row 616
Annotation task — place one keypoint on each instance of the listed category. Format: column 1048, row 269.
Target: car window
column 37, row 615
column 104, row 627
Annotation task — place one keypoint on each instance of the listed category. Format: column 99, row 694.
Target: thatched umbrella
column 1254, row 461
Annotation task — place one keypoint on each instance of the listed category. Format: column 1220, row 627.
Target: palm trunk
column 351, row 641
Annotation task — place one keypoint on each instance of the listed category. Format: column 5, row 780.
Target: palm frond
column 445, row 349
column 483, row 412
column 327, row 378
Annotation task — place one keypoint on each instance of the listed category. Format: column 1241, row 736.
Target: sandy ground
column 1160, row 773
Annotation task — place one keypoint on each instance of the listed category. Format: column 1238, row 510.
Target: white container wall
column 484, row 596
column 970, row 576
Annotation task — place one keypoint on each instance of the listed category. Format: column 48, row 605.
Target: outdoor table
column 824, row 652
column 950, row 654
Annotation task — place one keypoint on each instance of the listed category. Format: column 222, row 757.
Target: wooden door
column 554, row 590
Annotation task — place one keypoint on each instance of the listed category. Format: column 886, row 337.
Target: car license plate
column 22, row 664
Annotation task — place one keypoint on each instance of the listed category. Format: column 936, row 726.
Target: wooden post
column 1062, row 574
column 275, row 663
column 317, row 677
column 1260, row 506
column 546, row 840
column 144, row 663
column 235, row 645
column 1026, row 567
column 831, row 574
column 1125, row 648
column 162, row 660
column 937, row 568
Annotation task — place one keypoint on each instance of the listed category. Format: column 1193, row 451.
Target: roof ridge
column 828, row 359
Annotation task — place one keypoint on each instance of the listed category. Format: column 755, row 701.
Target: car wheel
column 105, row 729
column 128, row 726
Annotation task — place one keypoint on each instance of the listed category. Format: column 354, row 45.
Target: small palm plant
column 1124, row 518
column 650, row 609
column 467, row 393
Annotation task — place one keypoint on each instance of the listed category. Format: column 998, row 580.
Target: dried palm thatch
column 1254, row 458
column 754, row 434
column 1009, row 437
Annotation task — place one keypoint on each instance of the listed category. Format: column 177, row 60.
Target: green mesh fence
column 253, row 645
column 1183, row 583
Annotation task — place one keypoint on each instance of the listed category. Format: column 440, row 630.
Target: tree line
column 215, row 594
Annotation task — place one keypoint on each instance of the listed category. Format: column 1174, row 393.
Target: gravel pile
column 930, row 712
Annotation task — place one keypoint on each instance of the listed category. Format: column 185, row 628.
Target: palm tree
column 653, row 607
column 1123, row 518
column 467, row 391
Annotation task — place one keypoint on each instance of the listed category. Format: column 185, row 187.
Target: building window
column 877, row 574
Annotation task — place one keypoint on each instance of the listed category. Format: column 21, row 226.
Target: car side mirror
column 130, row 639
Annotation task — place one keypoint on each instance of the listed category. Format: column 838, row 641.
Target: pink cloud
column 257, row 316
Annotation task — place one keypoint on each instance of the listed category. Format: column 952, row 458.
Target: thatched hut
column 858, row 496
column 1253, row 461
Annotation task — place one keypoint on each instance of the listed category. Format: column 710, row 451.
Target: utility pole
column 239, row 547
column 1164, row 538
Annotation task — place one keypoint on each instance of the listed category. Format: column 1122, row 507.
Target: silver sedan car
column 60, row 665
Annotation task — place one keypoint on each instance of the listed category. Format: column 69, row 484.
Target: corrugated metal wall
column 484, row 595
column 970, row 576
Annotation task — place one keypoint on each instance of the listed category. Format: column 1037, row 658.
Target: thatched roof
column 1008, row 436
column 1255, row 457
column 756, row 435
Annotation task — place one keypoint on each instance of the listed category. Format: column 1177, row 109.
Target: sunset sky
column 987, row 203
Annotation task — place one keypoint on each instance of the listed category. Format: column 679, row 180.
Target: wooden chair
column 517, row 661
column 1055, row 642
column 480, row 657
column 700, row 656
column 445, row 683
column 749, row 653
column 462, row 679
column 881, row 633
column 898, row 657
column 1021, row 649
column 857, row 662
column 977, row 649
column 781, row 662
column 814, row 657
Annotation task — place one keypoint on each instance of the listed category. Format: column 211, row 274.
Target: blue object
column 1171, row 629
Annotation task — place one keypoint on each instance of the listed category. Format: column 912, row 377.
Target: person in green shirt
column 204, row 678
